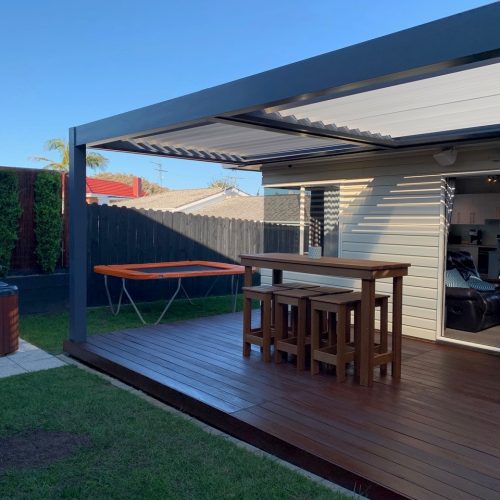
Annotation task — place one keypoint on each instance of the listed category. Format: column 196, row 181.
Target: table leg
column 248, row 276
column 247, row 311
column 397, row 325
column 367, row 332
column 277, row 276
column 302, row 326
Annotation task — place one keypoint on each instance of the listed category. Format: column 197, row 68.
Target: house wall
column 392, row 208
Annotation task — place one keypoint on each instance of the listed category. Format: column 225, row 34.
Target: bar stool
column 300, row 325
column 295, row 285
column 339, row 350
column 328, row 290
column 262, row 335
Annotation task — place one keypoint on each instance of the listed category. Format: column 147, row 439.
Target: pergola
column 437, row 84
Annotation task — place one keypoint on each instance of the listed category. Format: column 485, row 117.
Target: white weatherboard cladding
column 394, row 218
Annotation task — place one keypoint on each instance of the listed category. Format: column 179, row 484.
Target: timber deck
column 435, row 434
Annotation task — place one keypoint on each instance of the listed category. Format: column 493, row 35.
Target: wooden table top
column 358, row 268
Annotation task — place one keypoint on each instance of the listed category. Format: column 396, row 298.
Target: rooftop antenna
column 232, row 179
column 160, row 170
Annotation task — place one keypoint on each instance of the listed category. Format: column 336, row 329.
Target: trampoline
column 168, row 270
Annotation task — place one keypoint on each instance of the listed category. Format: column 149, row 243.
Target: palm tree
column 94, row 160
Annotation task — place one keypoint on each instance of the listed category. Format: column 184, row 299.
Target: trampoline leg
column 179, row 285
column 234, row 289
column 113, row 311
column 211, row 286
column 132, row 302
column 186, row 294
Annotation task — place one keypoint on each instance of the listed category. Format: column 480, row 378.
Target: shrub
column 48, row 220
column 10, row 211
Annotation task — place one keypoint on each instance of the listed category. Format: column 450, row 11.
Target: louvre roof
column 435, row 84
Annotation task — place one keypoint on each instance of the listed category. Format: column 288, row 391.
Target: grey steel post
column 77, row 240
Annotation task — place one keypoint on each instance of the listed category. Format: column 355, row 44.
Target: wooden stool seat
column 299, row 338
column 330, row 290
column 293, row 284
column 343, row 351
column 347, row 298
column 262, row 335
column 260, row 289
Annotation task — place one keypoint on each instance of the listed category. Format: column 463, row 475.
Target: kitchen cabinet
column 475, row 208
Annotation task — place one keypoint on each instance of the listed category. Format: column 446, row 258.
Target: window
column 298, row 217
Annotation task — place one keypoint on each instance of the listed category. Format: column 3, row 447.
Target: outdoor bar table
column 366, row 270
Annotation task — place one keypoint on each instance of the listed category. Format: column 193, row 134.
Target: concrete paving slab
column 8, row 368
column 28, row 358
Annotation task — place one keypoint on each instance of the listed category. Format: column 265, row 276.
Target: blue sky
column 66, row 63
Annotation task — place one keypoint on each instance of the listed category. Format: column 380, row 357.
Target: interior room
column 473, row 260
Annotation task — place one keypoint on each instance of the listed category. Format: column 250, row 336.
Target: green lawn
column 131, row 448
column 48, row 331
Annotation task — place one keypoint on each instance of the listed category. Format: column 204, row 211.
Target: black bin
column 9, row 319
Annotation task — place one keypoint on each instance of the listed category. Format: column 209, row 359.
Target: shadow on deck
column 433, row 435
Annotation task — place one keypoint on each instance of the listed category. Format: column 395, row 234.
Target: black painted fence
column 118, row 235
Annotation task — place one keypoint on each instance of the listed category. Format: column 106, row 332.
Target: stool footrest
column 289, row 344
column 329, row 355
column 382, row 359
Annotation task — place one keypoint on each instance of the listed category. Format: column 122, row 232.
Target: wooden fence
column 118, row 235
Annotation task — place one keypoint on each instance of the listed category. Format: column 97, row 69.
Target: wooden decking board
column 232, row 361
column 350, row 444
column 166, row 381
column 427, row 453
column 455, row 371
column 203, row 368
column 189, row 383
column 379, row 416
column 435, row 410
column 410, row 454
column 232, row 377
column 437, row 396
column 189, row 376
column 433, row 435
column 332, row 455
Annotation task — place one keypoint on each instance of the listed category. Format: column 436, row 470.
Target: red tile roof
column 110, row 188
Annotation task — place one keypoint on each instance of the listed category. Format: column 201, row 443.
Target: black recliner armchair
column 466, row 308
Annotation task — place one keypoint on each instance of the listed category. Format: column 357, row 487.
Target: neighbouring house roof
column 109, row 188
column 177, row 199
column 431, row 86
column 278, row 209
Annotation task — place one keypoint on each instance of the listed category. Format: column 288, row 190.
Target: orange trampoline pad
column 165, row 270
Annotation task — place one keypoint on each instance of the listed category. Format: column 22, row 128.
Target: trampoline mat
column 177, row 269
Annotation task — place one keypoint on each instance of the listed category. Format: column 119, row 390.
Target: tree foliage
column 48, row 220
column 95, row 161
column 222, row 183
column 10, row 211
column 147, row 186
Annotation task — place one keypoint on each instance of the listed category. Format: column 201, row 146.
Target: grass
column 136, row 450
column 48, row 331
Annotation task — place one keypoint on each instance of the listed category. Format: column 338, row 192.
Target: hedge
column 10, row 211
column 48, row 220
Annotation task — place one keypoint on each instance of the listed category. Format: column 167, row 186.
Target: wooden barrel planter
column 9, row 319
